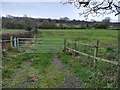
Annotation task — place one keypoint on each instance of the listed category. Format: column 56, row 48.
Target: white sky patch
column 31, row 0
column 47, row 0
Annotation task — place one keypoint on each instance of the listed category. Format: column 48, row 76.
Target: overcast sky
column 53, row 10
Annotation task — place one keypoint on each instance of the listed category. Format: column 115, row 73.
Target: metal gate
column 40, row 45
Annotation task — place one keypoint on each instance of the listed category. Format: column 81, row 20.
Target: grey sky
column 53, row 10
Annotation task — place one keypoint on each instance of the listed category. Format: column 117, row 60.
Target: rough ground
column 26, row 74
column 20, row 77
column 70, row 81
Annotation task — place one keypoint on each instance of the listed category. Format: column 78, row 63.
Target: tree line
column 11, row 22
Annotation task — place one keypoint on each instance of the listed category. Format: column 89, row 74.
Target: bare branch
column 97, row 7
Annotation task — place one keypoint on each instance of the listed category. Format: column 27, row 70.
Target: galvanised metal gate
column 40, row 45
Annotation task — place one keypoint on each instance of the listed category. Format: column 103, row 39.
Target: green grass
column 11, row 30
column 82, row 67
column 41, row 61
column 47, row 74
column 19, row 67
column 90, row 36
column 13, row 61
column 108, row 40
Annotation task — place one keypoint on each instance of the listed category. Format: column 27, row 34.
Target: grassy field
column 109, row 37
column 108, row 40
column 12, row 30
column 22, row 69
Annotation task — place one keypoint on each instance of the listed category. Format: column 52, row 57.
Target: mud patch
column 72, row 82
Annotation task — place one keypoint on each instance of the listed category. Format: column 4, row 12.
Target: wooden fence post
column 96, row 52
column 15, row 43
column 75, row 47
column 64, row 45
column 11, row 41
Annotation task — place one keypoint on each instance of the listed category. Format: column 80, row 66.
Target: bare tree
column 96, row 7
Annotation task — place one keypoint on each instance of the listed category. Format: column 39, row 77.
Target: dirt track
column 71, row 81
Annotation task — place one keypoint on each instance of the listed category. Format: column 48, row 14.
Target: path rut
column 70, row 81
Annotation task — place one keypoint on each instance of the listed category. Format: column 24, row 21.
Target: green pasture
column 108, row 40
column 109, row 37
column 11, row 30
column 20, row 67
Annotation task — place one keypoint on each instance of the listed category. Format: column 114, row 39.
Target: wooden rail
column 6, row 40
column 92, row 45
column 98, row 58
column 95, row 57
column 81, row 43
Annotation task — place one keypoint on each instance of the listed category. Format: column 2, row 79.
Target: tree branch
column 97, row 7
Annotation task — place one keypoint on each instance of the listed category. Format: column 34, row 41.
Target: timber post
column 11, row 41
column 64, row 45
column 96, row 52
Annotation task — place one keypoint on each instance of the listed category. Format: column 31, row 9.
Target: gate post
column 15, row 43
column 11, row 41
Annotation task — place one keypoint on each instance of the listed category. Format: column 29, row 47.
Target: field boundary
column 95, row 57
column 36, row 45
column 14, row 42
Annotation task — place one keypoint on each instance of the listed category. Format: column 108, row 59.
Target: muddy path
column 71, row 81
